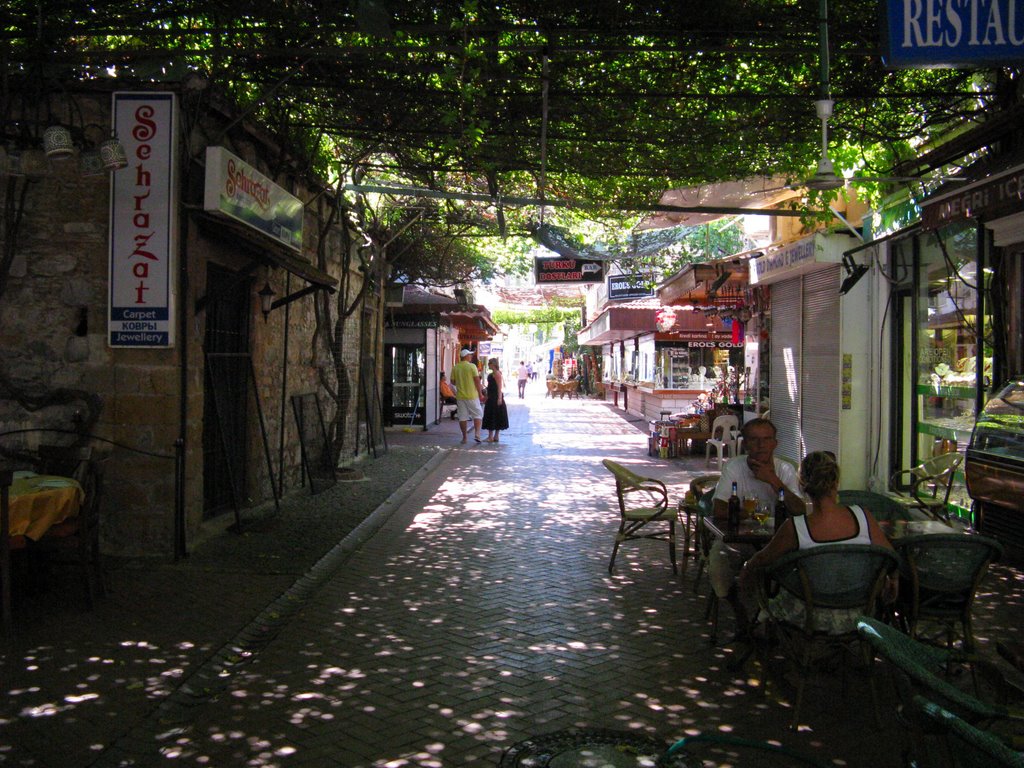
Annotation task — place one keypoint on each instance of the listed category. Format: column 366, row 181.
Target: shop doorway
column 404, row 384
column 225, row 395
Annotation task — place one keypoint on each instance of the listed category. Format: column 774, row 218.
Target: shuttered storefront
column 820, row 370
column 805, row 363
column 784, row 378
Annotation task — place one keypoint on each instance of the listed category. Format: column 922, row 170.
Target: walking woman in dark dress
column 495, row 410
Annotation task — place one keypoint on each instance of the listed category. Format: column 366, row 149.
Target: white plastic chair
column 724, row 430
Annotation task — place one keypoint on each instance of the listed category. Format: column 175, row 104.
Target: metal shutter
column 820, row 380
column 784, row 378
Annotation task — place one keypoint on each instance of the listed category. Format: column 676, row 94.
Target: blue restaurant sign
column 952, row 33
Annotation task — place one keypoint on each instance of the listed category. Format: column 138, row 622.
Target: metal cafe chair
column 642, row 501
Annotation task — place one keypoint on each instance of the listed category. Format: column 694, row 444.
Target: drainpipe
column 284, row 386
column 180, row 544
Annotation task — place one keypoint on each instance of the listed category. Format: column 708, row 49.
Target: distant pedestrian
column 495, row 411
column 532, row 374
column 523, row 375
column 468, row 394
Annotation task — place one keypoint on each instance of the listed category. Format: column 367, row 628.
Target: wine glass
column 750, row 506
column 761, row 515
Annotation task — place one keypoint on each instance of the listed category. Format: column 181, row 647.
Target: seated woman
column 827, row 523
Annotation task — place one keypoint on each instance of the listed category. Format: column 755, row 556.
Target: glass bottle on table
column 781, row 510
column 734, row 510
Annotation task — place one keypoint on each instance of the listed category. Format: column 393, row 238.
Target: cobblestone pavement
column 471, row 609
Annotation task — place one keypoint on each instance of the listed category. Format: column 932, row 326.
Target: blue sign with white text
column 952, row 33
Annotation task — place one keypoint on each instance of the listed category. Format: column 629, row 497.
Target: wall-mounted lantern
column 266, row 294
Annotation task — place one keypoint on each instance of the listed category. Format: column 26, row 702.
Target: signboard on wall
column 797, row 259
column 635, row 286
column 559, row 269
column 143, row 223
column 237, row 190
column 942, row 33
column 991, row 196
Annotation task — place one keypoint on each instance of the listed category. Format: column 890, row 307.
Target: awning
column 694, row 281
column 472, row 321
column 757, row 195
column 621, row 322
column 263, row 252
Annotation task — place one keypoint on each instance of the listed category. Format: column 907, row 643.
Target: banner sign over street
column 952, row 33
column 562, row 270
column 143, row 223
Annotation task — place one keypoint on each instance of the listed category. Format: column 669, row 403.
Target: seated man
column 447, row 394
column 760, row 474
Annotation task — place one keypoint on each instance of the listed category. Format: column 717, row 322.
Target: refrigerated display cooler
column 994, row 468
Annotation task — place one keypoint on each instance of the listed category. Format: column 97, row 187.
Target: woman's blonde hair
column 819, row 474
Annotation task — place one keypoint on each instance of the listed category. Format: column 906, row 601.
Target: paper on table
column 22, row 473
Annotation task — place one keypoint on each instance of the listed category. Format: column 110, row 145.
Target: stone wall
column 53, row 340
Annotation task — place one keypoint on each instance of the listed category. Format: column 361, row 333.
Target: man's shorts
column 470, row 409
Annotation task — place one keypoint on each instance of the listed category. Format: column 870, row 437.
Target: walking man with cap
column 469, row 394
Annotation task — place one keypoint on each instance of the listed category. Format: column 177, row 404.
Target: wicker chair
column 929, row 483
column 642, row 501
column 6, row 478
column 921, row 670
column 940, row 575
column 727, row 749
column 882, row 507
column 827, row 582
column 690, row 512
column 964, row 746
column 77, row 539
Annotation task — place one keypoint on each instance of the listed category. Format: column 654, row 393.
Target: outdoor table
column 749, row 532
column 897, row 529
column 38, row 502
column 687, row 436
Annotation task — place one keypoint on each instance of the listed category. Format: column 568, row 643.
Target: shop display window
column 404, row 383
column 949, row 360
column 681, row 365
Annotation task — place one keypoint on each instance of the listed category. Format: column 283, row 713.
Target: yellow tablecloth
column 41, row 501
